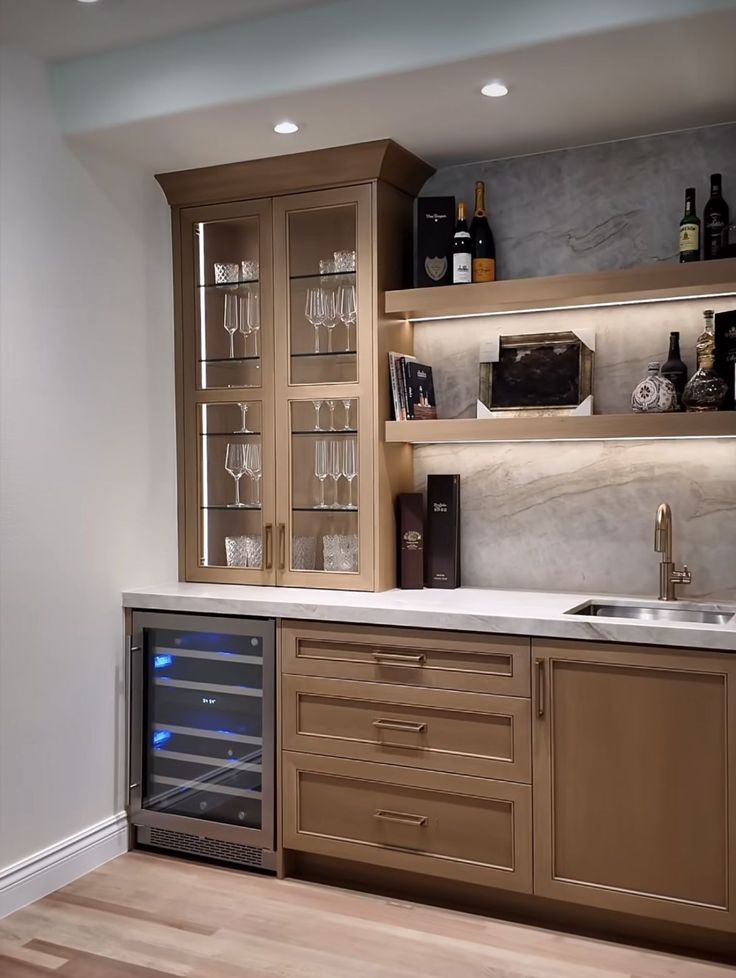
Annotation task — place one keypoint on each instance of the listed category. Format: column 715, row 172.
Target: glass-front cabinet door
column 228, row 396
column 324, row 355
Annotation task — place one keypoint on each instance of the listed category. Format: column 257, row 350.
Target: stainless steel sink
column 638, row 612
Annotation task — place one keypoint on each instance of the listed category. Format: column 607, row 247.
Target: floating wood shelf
column 646, row 284
column 597, row 427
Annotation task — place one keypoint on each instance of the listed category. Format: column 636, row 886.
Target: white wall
column 87, row 458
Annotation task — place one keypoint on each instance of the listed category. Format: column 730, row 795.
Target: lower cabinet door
column 460, row 828
column 634, row 780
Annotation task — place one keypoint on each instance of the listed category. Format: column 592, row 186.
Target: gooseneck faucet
column 669, row 576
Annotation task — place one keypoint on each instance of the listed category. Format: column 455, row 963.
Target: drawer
column 468, row 829
column 476, row 734
column 408, row 656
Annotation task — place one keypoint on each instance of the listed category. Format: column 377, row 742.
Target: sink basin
column 639, row 612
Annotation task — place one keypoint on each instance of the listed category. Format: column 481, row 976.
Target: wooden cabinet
column 281, row 360
column 634, row 780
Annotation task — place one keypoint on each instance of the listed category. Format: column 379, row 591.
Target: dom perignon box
column 411, row 540
column 434, row 230
column 443, row 531
column 726, row 354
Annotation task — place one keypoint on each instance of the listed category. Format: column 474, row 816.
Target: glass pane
column 228, row 309
column 324, row 492
column 231, row 470
column 204, row 725
column 323, row 298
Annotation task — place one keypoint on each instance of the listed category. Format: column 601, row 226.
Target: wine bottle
column 674, row 369
column 481, row 236
column 462, row 253
column 690, row 229
column 715, row 221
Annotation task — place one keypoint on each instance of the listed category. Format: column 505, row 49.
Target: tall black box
column 726, row 354
column 443, row 531
column 435, row 227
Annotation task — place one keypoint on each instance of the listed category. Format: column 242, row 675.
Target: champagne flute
column 346, row 310
column 347, row 404
column 245, row 328
column 329, row 313
column 235, row 465
column 331, row 406
column 321, row 468
column 313, row 313
column 254, row 467
column 230, row 320
column 350, row 467
column 243, row 429
column 335, row 470
column 317, row 408
column 254, row 316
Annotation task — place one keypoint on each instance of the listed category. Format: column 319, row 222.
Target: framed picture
column 542, row 372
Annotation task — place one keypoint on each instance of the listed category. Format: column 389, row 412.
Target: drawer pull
column 403, row 817
column 406, row 725
column 399, row 658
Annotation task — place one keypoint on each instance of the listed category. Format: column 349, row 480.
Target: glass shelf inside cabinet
column 230, row 477
column 323, row 295
column 324, row 491
column 228, row 304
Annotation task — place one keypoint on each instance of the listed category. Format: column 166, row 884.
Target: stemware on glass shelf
column 317, row 408
column 335, row 470
column 253, row 466
column 243, row 429
column 346, row 310
column 321, row 468
column 230, row 319
column 314, row 313
column 254, row 317
column 329, row 315
column 347, row 404
column 350, row 467
column 331, row 406
column 243, row 323
column 235, row 464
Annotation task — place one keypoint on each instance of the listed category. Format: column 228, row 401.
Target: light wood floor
column 145, row 916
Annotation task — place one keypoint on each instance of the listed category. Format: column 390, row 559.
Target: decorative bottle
column 705, row 391
column 674, row 369
column 655, row 394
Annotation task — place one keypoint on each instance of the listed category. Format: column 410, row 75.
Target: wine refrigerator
column 202, row 730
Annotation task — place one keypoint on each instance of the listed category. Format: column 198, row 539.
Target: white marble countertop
column 534, row 613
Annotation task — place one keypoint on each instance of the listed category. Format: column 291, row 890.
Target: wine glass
column 317, row 408
column 321, row 468
column 350, row 467
column 235, row 465
column 245, row 328
column 329, row 315
column 253, row 466
column 243, row 429
column 230, row 320
column 331, row 406
column 313, row 311
column 347, row 404
column 335, row 470
column 254, row 317
column 346, row 310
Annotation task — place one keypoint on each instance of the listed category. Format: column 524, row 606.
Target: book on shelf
column 412, row 388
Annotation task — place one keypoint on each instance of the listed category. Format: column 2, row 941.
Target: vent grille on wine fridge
column 195, row 845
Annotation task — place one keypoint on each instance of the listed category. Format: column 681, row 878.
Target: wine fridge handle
column 131, row 734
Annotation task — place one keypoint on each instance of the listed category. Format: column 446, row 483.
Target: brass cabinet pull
column 406, row 725
column 269, row 546
column 398, row 658
column 541, row 686
column 403, row 817
column 282, row 546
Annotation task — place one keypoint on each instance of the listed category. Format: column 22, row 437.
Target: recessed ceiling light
column 87, row 1
column 284, row 128
column 494, row 89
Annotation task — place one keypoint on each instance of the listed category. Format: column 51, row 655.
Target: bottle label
column 484, row 270
column 461, row 268
column 689, row 237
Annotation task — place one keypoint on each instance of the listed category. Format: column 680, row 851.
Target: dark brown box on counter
column 726, row 354
column 435, row 227
column 443, row 531
column 410, row 521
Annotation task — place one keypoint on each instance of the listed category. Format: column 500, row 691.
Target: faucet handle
column 682, row 577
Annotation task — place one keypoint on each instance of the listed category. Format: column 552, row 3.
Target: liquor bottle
column 462, row 250
column 690, row 229
column 655, row 394
column 705, row 391
column 484, row 247
column 674, row 369
column 715, row 221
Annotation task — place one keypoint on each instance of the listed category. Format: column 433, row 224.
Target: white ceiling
column 60, row 29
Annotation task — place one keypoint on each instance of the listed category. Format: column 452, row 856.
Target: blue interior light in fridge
column 160, row 737
column 162, row 661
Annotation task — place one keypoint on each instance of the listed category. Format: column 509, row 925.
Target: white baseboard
column 30, row 879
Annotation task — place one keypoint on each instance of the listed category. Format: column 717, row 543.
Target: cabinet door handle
column 406, row 725
column 282, row 546
column 541, row 686
column 405, row 818
column 269, row 546
column 398, row 658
